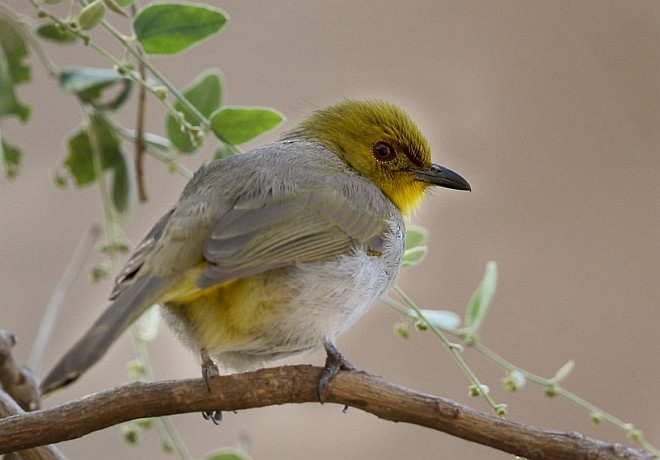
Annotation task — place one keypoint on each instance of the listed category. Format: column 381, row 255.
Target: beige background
column 550, row 109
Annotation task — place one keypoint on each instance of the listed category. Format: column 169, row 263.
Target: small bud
column 92, row 15
column 475, row 391
column 114, row 247
column 513, row 381
column 471, row 339
column 633, row 433
column 59, row 180
column 551, row 391
column 509, row 384
column 456, row 347
column 197, row 136
column 144, row 423
column 130, row 434
column 422, row 325
column 136, row 369
column 401, row 329
column 596, row 418
column 98, row 273
column 171, row 167
column 500, row 410
column 160, row 92
column 166, row 446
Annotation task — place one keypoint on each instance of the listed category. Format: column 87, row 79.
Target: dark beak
column 441, row 176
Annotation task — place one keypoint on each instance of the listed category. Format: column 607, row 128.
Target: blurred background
column 551, row 110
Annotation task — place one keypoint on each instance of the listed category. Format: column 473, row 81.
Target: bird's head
column 382, row 143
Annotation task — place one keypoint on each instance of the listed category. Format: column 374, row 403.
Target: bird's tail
column 128, row 306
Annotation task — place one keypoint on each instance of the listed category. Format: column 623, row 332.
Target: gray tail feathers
column 128, row 306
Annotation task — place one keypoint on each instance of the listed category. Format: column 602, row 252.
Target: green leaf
column 482, row 297
column 122, row 186
column 168, row 28
column 225, row 150
column 226, row 453
column 80, row 161
column 440, row 318
column 92, row 15
column 414, row 256
column 90, row 85
column 56, row 33
column 15, row 50
column 205, row 94
column 9, row 105
column 563, row 371
column 236, row 125
column 124, row 3
column 11, row 159
column 416, row 236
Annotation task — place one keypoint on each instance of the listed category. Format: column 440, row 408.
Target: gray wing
column 258, row 235
column 139, row 256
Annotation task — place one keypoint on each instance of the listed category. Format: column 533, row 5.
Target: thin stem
column 453, row 349
column 633, row 433
column 161, row 153
column 570, row 396
column 25, row 29
column 63, row 287
column 204, row 122
column 109, row 221
column 166, row 428
column 139, row 136
column 139, row 130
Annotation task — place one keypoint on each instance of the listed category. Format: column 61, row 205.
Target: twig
column 18, row 381
column 298, row 384
column 139, row 128
column 20, row 393
column 54, row 305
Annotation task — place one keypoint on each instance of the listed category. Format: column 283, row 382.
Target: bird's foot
column 334, row 362
column 210, row 369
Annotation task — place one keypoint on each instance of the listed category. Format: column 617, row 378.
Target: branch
column 18, row 386
column 298, row 384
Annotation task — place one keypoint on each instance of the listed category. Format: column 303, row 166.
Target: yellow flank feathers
column 222, row 315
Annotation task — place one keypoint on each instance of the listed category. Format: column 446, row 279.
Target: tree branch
column 298, row 384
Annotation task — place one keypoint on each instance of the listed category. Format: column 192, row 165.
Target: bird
column 277, row 251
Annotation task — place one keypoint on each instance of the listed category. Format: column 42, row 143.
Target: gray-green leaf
column 122, row 185
column 90, row 84
column 226, row 453
column 416, row 236
column 236, row 125
column 482, row 297
column 80, row 161
column 56, row 33
column 11, row 159
column 205, row 94
column 9, row 104
column 168, row 28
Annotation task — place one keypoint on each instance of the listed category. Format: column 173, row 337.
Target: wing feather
column 261, row 235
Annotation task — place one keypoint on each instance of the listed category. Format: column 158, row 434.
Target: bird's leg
column 209, row 369
column 334, row 362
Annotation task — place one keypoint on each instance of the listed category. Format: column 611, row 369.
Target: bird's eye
column 383, row 151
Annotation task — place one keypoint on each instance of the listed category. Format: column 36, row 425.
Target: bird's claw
column 214, row 415
column 334, row 362
column 210, row 369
